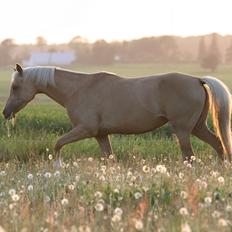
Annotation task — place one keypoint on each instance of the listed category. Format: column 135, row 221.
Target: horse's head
column 21, row 92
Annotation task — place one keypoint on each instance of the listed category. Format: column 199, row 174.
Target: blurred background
column 105, row 32
column 130, row 38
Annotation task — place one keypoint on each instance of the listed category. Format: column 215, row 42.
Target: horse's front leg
column 76, row 134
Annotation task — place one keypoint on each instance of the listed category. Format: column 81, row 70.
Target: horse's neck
column 66, row 84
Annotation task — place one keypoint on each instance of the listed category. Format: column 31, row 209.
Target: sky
column 60, row 20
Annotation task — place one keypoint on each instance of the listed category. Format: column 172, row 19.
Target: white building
column 50, row 58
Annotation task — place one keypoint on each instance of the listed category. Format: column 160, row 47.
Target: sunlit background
column 105, row 32
column 59, row 21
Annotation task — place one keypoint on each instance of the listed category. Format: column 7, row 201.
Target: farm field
column 144, row 186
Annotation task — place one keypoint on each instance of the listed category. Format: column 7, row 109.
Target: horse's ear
column 19, row 69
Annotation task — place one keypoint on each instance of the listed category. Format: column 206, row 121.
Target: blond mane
column 42, row 76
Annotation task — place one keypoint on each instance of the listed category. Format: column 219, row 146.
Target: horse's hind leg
column 203, row 133
column 105, row 145
column 185, row 143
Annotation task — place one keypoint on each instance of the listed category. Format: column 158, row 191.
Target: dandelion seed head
column 30, row 176
column 30, row 187
column 50, row 157
column 57, row 174
column 99, row 207
column 138, row 195
column 185, row 228
column 183, row 194
column 98, row 194
column 12, row 192
column 71, row 187
column 216, row 214
column 64, row 201
column 138, row 224
column 118, row 211
column 47, row 175
column 15, row 197
column 183, row 211
column 90, row 159
column 222, row 222
column 161, row 168
column 221, row 180
column 146, row 169
column 116, row 218
column 208, row 200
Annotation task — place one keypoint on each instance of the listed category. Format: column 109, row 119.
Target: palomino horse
column 103, row 103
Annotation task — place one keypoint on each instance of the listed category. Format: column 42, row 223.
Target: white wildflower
column 138, row 195
column 3, row 173
column 116, row 218
column 99, row 207
column 183, row 211
column 146, row 169
column 185, row 228
column 216, row 214
column 90, row 159
column 222, row 222
column 193, row 157
column 71, row 187
column 47, row 175
column 181, row 175
column 118, row 211
column 64, row 201
column 221, row 180
column 208, row 200
column 57, row 174
column 12, row 192
column 30, row 176
column 15, row 197
column 161, row 168
column 138, row 224
column 30, row 187
column 229, row 208
column 183, row 194
column 98, row 194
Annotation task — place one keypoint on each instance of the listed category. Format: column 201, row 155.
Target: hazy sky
column 60, row 20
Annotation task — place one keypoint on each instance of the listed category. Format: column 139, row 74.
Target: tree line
column 209, row 50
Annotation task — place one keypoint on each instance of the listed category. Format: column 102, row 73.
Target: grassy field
column 148, row 188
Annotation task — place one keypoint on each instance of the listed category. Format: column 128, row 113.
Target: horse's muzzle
column 7, row 114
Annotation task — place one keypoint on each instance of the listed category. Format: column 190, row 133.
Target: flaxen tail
column 221, row 111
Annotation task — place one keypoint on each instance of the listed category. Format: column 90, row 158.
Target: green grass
column 25, row 149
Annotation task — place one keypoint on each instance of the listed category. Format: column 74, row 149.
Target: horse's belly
column 132, row 126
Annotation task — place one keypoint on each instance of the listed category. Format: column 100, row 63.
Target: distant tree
column 169, row 50
column 102, row 52
column 213, row 57
column 229, row 53
column 82, row 48
column 78, row 39
column 202, row 51
column 41, row 41
column 6, row 48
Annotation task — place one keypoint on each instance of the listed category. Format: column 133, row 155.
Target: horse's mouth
column 8, row 116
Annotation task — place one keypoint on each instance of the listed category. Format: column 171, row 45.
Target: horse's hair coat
column 42, row 76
